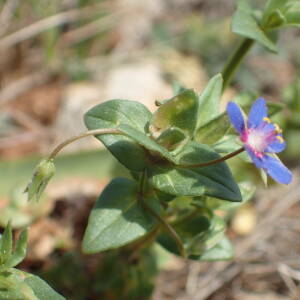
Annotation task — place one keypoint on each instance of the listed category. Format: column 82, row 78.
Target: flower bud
column 43, row 173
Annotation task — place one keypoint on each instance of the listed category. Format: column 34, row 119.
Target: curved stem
column 235, row 60
column 215, row 161
column 80, row 136
column 169, row 229
column 165, row 224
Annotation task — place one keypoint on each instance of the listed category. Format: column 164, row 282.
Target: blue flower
column 261, row 139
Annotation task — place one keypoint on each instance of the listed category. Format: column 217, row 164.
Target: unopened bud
column 43, row 173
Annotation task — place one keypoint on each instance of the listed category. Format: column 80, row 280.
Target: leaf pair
column 10, row 257
column 185, row 119
column 277, row 13
column 15, row 284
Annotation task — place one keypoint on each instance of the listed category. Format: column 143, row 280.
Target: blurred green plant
column 17, row 284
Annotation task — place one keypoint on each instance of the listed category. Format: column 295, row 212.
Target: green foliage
column 281, row 13
column 209, row 101
column 180, row 112
column 215, row 180
column 15, row 284
column 18, row 285
column 179, row 178
column 223, row 250
column 132, row 119
column 214, row 130
column 245, row 23
column 117, row 213
column 9, row 258
column 201, row 231
column 277, row 14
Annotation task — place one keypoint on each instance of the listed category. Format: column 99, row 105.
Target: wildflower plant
column 177, row 159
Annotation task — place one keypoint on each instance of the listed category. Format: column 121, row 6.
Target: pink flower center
column 258, row 140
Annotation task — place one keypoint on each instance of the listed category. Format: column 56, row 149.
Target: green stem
column 235, row 60
column 165, row 224
column 80, row 136
column 215, row 161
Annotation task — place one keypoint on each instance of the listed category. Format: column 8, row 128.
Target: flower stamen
column 281, row 140
column 277, row 128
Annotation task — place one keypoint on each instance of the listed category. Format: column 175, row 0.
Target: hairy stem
column 80, row 136
column 215, row 161
column 235, row 60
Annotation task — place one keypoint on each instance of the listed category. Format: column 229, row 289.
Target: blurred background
column 58, row 58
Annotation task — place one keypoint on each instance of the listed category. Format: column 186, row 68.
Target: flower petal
column 276, row 146
column 236, row 117
column 257, row 113
column 277, row 170
column 256, row 160
column 267, row 128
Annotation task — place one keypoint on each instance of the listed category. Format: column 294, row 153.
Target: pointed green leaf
column 41, row 289
column 214, row 130
column 276, row 19
column 6, row 244
column 180, row 112
column 221, row 251
column 112, row 114
column 271, row 6
column 172, row 138
column 293, row 16
column 209, row 101
column 289, row 10
column 247, row 190
column 244, row 23
column 117, row 217
column 20, row 251
column 132, row 118
column 19, row 285
column 215, row 180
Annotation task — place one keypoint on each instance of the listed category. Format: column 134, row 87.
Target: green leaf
column 20, row 251
column 208, row 238
column 180, row 112
column 6, row 244
column 244, row 23
column 227, row 144
column 198, row 234
column 12, row 286
column 117, row 217
column 276, row 19
column 247, row 190
column 215, row 180
column 112, row 114
column 40, row 288
column 293, row 16
column 221, row 251
column 271, row 6
column 132, row 118
column 287, row 10
column 209, row 101
column 19, row 285
column 172, row 138
column 214, row 130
